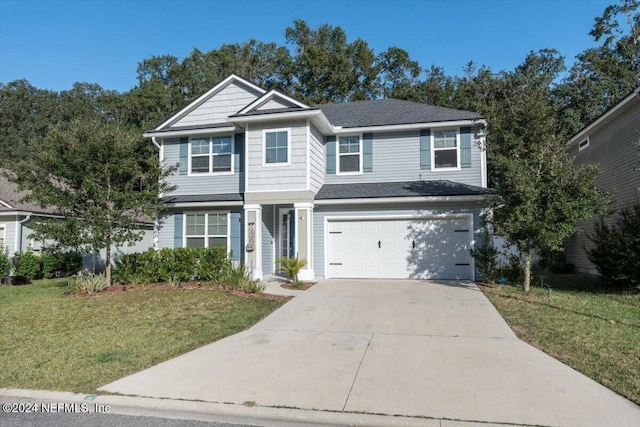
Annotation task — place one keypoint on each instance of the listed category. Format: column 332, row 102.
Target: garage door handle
column 379, row 244
column 413, row 244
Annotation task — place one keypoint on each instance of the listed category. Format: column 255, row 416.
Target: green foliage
column 29, row 265
column 486, row 256
column 5, row 262
column 172, row 266
column 616, row 253
column 291, row 267
column 60, row 264
column 88, row 283
column 239, row 278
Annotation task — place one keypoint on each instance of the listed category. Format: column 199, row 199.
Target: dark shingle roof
column 11, row 194
column 273, row 111
column 399, row 189
column 382, row 112
column 194, row 127
column 233, row 197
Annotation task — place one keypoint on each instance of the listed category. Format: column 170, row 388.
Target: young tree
column 103, row 178
column 540, row 193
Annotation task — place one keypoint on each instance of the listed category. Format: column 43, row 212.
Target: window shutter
column 425, row 148
column 367, row 152
column 238, row 152
column 331, row 155
column 465, row 147
column 184, row 156
column 178, row 219
column 235, row 244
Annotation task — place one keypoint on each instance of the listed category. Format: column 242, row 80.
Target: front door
column 287, row 234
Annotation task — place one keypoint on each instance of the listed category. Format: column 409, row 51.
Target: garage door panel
column 420, row 249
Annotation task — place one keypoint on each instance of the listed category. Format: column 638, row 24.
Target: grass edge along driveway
column 580, row 322
column 78, row 343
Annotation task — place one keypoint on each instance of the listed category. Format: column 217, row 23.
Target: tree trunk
column 108, row 265
column 527, row 270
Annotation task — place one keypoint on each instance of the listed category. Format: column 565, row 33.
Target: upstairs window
column 276, row 147
column 446, row 149
column 211, row 155
column 349, row 154
column 206, row 230
column 584, row 144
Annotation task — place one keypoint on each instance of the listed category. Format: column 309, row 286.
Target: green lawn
column 581, row 323
column 78, row 343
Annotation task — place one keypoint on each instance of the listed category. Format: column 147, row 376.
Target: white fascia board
column 269, row 96
column 191, row 132
column 202, row 204
column 389, row 200
column 207, row 95
column 28, row 213
column 456, row 123
column 276, row 116
column 581, row 135
column 5, row 204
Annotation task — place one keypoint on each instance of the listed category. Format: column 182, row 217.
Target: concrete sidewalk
column 410, row 348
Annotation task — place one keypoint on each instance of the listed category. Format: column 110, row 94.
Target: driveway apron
column 399, row 347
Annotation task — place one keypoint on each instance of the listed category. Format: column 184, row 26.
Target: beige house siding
column 612, row 146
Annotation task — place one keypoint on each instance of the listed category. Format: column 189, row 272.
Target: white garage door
column 415, row 248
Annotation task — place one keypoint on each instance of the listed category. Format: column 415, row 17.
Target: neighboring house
column 611, row 143
column 15, row 234
column 365, row 189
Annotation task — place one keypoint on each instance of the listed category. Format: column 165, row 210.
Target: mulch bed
column 189, row 286
column 304, row 287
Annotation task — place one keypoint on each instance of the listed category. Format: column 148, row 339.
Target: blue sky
column 56, row 43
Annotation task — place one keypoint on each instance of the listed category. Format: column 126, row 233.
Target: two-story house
column 366, row 189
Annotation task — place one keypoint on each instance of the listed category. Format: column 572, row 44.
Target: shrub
column 29, row 265
column 5, row 262
column 291, row 267
column 60, row 264
column 486, row 257
column 89, row 283
column 240, row 278
column 616, row 253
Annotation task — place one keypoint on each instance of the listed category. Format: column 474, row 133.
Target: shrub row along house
column 365, row 189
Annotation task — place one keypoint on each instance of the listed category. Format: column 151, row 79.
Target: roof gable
column 224, row 99
column 273, row 101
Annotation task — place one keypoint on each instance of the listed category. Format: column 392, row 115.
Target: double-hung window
column 276, row 147
column 206, row 230
column 446, row 149
column 211, row 155
column 349, row 154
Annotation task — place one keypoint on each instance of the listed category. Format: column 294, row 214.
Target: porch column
column 304, row 238
column 253, row 240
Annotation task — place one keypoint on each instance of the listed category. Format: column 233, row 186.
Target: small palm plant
column 292, row 266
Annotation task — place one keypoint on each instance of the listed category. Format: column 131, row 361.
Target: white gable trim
column 268, row 97
column 211, row 92
column 191, row 132
column 5, row 204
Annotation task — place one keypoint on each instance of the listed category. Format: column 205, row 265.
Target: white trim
column 5, row 204
column 433, row 150
column 361, row 154
column 260, row 101
column 587, row 143
column 396, row 200
column 206, row 235
column 3, row 234
column 192, row 132
column 202, row 98
column 264, row 147
column 280, row 116
column 338, row 130
column 28, row 213
column 587, row 130
column 337, row 218
column 203, row 205
column 256, row 270
column 246, row 159
column 483, row 162
column 308, row 141
column 210, row 156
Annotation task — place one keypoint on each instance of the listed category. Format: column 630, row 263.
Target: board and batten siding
column 426, row 209
column 292, row 176
column 199, row 184
column 317, row 159
column 612, row 146
column 216, row 109
column 396, row 157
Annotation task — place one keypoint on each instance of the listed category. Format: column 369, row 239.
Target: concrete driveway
column 398, row 347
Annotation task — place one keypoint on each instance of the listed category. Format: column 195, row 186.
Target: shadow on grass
column 580, row 283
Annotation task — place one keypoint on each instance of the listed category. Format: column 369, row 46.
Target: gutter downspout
column 18, row 245
column 153, row 139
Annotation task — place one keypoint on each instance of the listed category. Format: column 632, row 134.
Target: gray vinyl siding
column 317, row 157
column 612, row 146
column 396, row 157
column 216, row 109
column 281, row 177
column 9, row 223
column 321, row 212
column 275, row 104
column 268, row 240
column 199, row 184
column 165, row 230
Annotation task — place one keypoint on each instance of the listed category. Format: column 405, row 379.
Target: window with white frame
column 584, row 144
column 211, row 155
column 445, row 149
column 206, row 230
column 349, row 154
column 276, row 147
